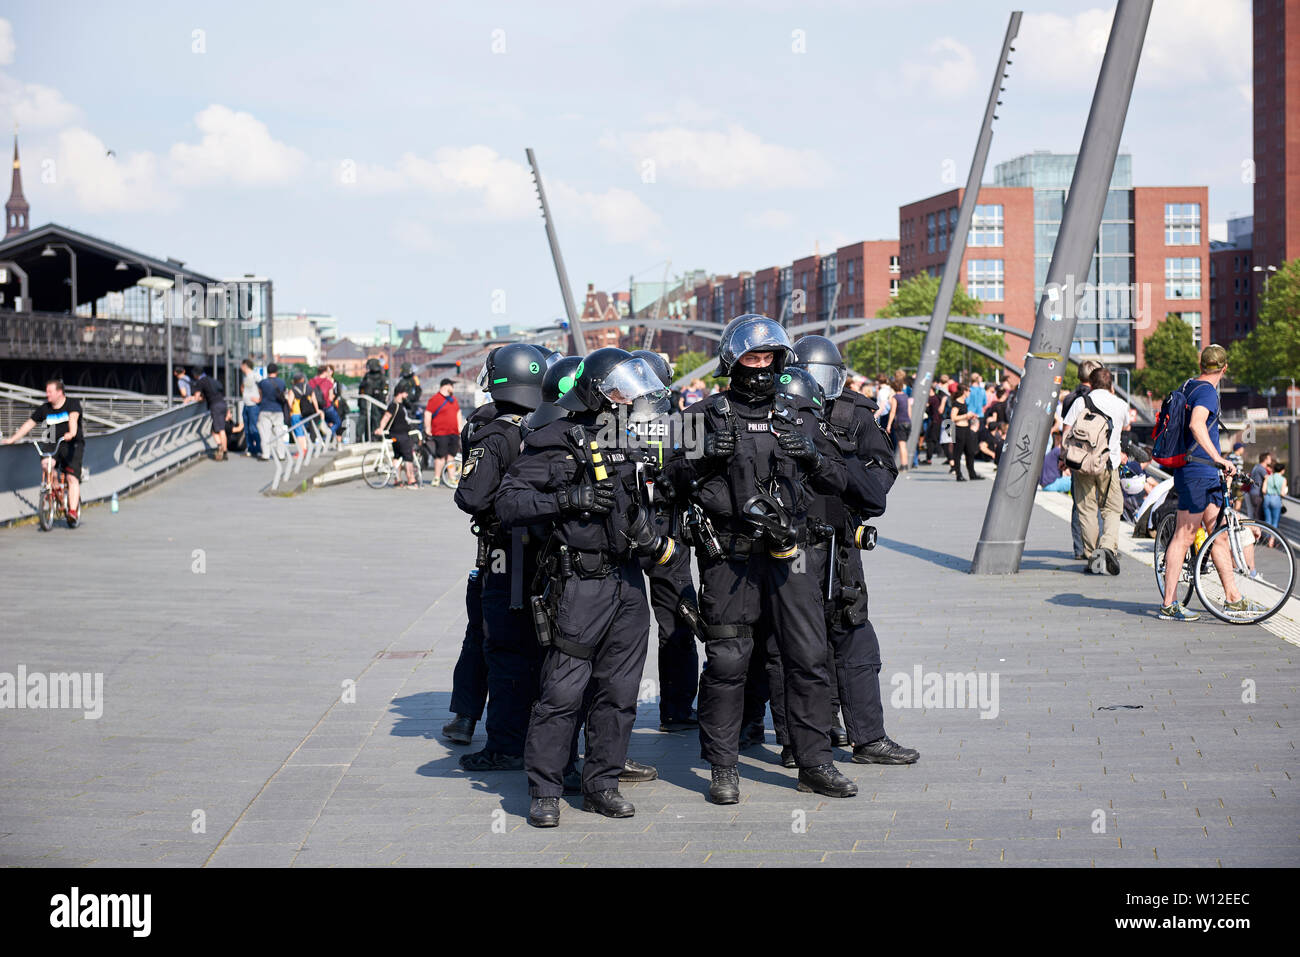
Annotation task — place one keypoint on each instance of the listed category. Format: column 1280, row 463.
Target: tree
column 1272, row 349
column 891, row 349
column 1171, row 357
column 687, row 361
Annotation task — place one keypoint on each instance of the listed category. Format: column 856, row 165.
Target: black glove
column 596, row 499
column 798, row 445
column 642, row 534
column 719, row 445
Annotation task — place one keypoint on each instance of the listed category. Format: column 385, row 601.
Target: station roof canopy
column 98, row 271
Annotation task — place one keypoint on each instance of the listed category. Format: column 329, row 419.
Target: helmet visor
column 830, row 378
column 632, row 380
column 553, row 358
column 756, row 335
column 482, row 380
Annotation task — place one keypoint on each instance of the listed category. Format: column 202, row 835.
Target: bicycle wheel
column 1163, row 534
column 451, row 474
column 377, row 468
column 419, row 473
column 47, row 509
column 1263, row 592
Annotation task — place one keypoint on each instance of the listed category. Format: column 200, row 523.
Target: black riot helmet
column 753, row 333
column 372, row 365
column 557, row 381
column 406, row 368
column 609, row 377
column 514, row 374
column 822, row 359
column 798, row 384
column 657, row 362
column 551, row 356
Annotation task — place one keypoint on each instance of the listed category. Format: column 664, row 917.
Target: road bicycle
column 54, row 490
column 1254, row 554
column 380, row 467
column 451, row 472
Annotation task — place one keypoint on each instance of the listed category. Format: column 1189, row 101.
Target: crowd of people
column 573, row 530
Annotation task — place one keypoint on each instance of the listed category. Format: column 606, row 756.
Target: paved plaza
column 276, row 671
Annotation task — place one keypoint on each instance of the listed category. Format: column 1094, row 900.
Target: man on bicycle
column 1200, row 490
column 395, row 415
column 64, row 413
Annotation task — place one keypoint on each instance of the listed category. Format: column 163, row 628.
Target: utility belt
column 858, row 535
column 488, row 533
column 555, row 569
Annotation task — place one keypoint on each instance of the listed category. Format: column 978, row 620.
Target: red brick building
column 1277, row 131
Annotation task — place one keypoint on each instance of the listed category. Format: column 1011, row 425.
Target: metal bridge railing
column 287, row 465
column 103, row 409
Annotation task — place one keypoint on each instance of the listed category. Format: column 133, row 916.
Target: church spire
column 16, row 209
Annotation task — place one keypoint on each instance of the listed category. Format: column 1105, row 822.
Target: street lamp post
column 152, row 284
column 48, row 251
column 1265, row 270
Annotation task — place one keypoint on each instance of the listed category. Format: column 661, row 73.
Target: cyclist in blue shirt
column 1199, row 489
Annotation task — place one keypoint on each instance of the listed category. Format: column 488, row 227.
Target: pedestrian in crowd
column 251, row 396
column 1086, row 368
column 694, row 392
column 443, row 422
column 184, row 385
column 996, row 409
column 935, row 407
column 303, row 404
column 326, row 390
column 236, row 432
column 64, row 414
column 964, row 424
column 883, row 391
column 1258, row 476
column 272, row 408
column 978, row 398
column 1098, row 498
column 374, row 386
column 1055, row 477
column 1238, row 456
column 209, row 390
column 898, row 419
column 990, row 441
column 1274, row 488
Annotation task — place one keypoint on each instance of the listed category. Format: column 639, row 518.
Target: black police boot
column 725, row 786
column 688, row 723
column 788, row 760
column 839, row 737
column 486, row 760
column 572, row 781
column 544, row 812
column 826, row 779
column 884, row 751
column 634, row 772
column 752, row 735
column 459, row 730
column 609, row 803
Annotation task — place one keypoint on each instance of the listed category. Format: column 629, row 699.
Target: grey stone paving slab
column 264, row 699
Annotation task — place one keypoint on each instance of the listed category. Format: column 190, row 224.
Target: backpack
column 1169, row 446
column 1087, row 441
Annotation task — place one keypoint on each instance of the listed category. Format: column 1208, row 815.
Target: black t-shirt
column 210, row 389
column 399, row 425
column 58, row 418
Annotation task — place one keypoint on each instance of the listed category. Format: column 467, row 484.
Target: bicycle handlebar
column 50, row 454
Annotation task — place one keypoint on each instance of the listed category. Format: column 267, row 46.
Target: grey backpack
column 1087, row 441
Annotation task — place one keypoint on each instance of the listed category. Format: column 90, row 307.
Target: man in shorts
column 1199, row 489
column 443, row 423
column 398, row 427
column 64, row 413
column 209, row 390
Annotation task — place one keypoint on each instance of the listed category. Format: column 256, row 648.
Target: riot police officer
column 593, row 611
column 411, row 381
column 679, row 663
column 754, row 481
column 507, row 558
column 375, row 385
column 469, row 688
column 851, row 422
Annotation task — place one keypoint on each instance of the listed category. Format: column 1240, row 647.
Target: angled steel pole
column 957, row 248
column 1005, row 523
column 830, row 316
column 576, row 337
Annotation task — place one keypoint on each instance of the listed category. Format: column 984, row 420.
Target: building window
column 893, row 264
column 1182, row 224
column 943, row 241
column 1193, row 319
column 1183, row 278
column 929, row 233
column 893, row 287
column 986, row 226
column 984, row 279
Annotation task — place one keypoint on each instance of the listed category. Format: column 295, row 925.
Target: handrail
column 286, row 465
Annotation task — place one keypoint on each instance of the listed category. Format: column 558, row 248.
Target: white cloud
column 684, row 112
column 621, row 215
column 417, row 237
column 1191, row 42
column 770, row 219
column 503, row 188
column 236, row 148
column 6, row 42
column 32, row 105
column 733, row 158
column 947, row 71
column 100, row 183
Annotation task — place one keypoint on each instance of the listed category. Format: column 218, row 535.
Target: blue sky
column 370, row 157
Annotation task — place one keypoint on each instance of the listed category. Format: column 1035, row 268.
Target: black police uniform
column 374, row 384
column 469, row 688
column 411, row 382
column 603, row 623
column 507, row 563
column 745, row 594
